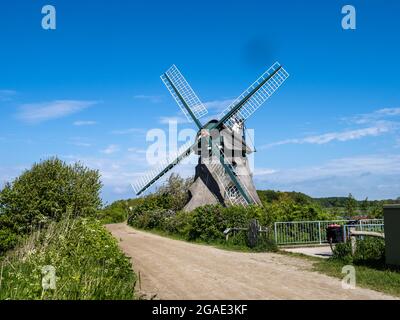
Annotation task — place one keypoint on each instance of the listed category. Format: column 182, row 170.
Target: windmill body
column 222, row 174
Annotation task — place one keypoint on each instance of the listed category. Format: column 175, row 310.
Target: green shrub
column 114, row 213
column 8, row 240
column 45, row 193
column 49, row 189
column 368, row 250
column 86, row 258
column 175, row 191
column 342, row 251
column 204, row 224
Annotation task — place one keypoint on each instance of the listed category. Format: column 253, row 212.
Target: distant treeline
column 326, row 202
column 339, row 202
column 345, row 207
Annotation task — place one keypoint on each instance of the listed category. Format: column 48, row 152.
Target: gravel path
column 173, row 269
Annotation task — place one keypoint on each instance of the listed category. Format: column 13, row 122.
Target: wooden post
column 254, row 228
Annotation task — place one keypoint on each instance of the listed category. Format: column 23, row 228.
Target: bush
column 287, row 209
column 114, row 213
column 204, row 224
column 342, row 251
column 8, row 240
column 368, row 250
column 46, row 193
column 87, row 261
column 175, row 191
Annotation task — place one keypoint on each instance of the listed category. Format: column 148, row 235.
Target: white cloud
column 218, row 105
column 116, row 173
column 129, row 131
column 39, row 112
column 151, row 98
column 363, row 176
column 263, row 171
column 178, row 120
column 80, row 142
column 374, row 116
column 215, row 107
column 7, row 95
column 84, row 123
column 137, row 150
column 112, row 148
column 335, row 136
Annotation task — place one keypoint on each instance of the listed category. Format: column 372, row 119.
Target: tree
column 175, row 191
column 351, row 205
column 365, row 205
column 47, row 191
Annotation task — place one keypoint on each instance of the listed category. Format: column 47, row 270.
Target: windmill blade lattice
column 150, row 177
column 173, row 79
column 254, row 101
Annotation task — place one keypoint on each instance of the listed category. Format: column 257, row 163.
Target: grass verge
column 87, row 262
column 377, row 277
column 372, row 275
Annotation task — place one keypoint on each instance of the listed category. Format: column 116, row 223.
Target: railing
column 314, row 232
column 364, row 227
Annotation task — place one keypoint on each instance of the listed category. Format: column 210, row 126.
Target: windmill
column 222, row 174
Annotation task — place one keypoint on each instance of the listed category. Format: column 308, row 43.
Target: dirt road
column 172, row 269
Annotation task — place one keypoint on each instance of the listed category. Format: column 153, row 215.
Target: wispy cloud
column 375, row 176
column 137, row 150
column 177, row 119
column 129, row 131
column 151, row 98
column 112, row 148
column 7, row 95
column 116, row 173
column 214, row 107
column 349, row 166
column 375, row 116
column 39, row 112
column 334, row 136
column 218, row 105
column 80, row 142
column 80, row 123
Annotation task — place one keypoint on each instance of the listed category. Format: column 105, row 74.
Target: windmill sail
column 254, row 96
column 150, row 177
column 183, row 94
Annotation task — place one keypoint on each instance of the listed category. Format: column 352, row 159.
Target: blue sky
column 90, row 90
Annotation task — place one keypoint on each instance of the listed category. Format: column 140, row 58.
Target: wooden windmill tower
column 222, row 174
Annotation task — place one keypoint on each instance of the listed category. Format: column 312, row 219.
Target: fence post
column 319, row 232
column 275, row 234
column 353, row 241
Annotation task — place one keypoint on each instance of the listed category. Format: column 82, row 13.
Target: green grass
column 375, row 276
column 87, row 261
